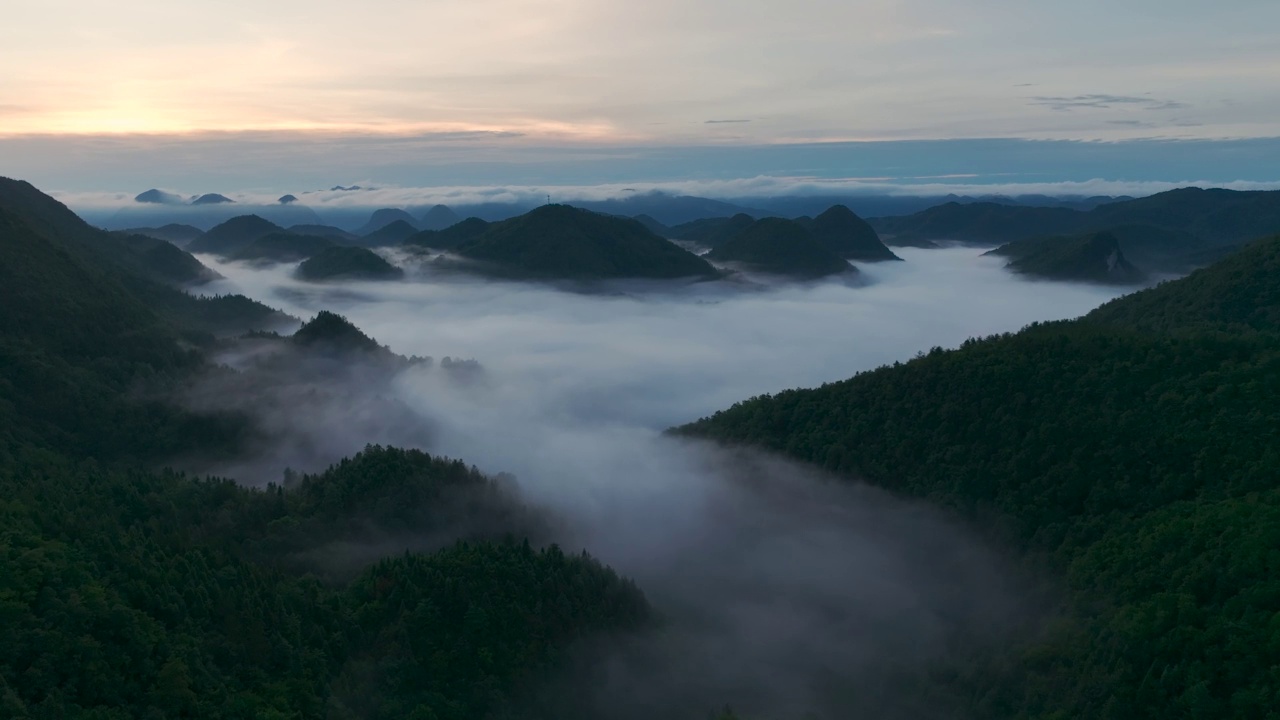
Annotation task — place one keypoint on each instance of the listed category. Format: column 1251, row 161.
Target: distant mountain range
column 1167, row 233
column 1170, row 232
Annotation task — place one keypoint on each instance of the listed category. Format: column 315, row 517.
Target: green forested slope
column 1136, row 449
column 127, row 592
column 132, row 594
column 1240, row 292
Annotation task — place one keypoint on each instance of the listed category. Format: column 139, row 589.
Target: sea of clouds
column 783, row 591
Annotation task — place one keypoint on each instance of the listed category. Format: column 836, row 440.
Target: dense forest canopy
column 133, row 593
column 1134, row 449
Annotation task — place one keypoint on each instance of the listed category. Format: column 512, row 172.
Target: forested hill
column 127, row 592
column 1172, row 231
column 559, row 242
column 1134, row 448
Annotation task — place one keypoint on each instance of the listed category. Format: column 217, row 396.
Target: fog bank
column 782, row 591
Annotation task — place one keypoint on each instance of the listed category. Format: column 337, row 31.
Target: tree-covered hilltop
column 132, row 594
column 781, row 247
column 162, row 260
column 336, row 234
column 282, row 247
column 1134, row 450
column 439, row 217
column 393, row 233
column 340, row 262
column 176, row 233
column 228, row 238
column 847, row 235
column 559, row 242
column 712, row 232
column 450, row 237
column 1092, row 257
column 129, row 592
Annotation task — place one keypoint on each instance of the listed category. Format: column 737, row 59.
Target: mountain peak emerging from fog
column 157, row 197
column 849, row 236
column 333, row 331
column 782, row 247
column 569, row 243
column 439, row 217
column 211, row 199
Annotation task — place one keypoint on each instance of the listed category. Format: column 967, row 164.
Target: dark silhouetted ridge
column 439, row 217
column 230, row 237
column 393, row 233
column 849, row 236
column 159, row 197
column 563, row 242
column 384, row 217
column 347, row 263
column 782, row 247
column 178, row 234
column 712, row 232
column 282, row 247
column 334, row 331
column 1092, row 257
column 450, row 237
column 211, row 199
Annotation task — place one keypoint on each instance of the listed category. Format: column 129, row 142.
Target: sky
column 97, row 96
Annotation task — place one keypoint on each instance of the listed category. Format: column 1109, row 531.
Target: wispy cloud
column 1102, row 101
column 723, row 122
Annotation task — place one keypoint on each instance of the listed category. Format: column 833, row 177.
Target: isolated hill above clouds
column 340, row 262
column 569, row 243
column 782, row 247
column 229, row 237
column 1090, row 257
column 848, row 235
column 159, row 197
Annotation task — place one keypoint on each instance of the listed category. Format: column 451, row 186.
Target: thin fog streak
column 781, row 591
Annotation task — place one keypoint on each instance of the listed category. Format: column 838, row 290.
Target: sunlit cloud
column 638, row 72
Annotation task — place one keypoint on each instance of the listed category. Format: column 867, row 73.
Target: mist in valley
column 781, row 591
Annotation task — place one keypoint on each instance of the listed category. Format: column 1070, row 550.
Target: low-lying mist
column 782, row 592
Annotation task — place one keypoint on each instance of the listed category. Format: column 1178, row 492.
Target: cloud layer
column 621, row 72
column 782, row 591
